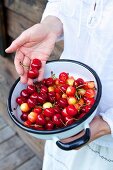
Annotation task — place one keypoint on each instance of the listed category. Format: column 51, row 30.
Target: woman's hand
column 36, row 42
column 98, row 128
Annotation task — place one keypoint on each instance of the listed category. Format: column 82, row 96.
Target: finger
column 72, row 138
column 26, row 66
column 22, row 39
column 30, row 81
column 19, row 57
column 41, row 72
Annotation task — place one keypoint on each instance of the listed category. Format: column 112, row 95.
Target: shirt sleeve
column 108, row 117
column 52, row 8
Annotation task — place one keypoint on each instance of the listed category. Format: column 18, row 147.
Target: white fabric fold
column 52, row 8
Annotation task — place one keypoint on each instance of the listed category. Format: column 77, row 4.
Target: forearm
column 54, row 25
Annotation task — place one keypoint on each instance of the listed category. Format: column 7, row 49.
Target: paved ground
column 14, row 153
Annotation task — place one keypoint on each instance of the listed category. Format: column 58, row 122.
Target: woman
column 87, row 28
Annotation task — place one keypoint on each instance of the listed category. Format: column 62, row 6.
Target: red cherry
column 41, row 99
column 79, row 82
column 63, row 76
column 51, row 98
column 31, row 102
column 24, row 93
column 57, row 96
column 81, row 115
column 49, row 125
column 51, row 94
column 33, row 73
column 63, row 102
column 44, row 81
column 24, row 116
column 43, row 89
column 64, row 113
column 57, row 109
column 61, row 82
column 20, row 100
column 45, row 96
column 71, row 110
column 90, row 93
column 27, row 123
column 69, row 120
column 49, row 81
column 57, row 120
column 47, row 119
column 71, row 91
column 34, row 95
column 57, row 90
column 36, row 64
column 86, row 108
column 37, row 127
column 40, row 120
column 57, row 81
column 49, row 112
column 38, row 110
column 64, row 87
column 31, row 89
column 89, row 101
column 57, row 103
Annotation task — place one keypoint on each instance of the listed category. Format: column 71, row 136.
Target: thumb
column 22, row 39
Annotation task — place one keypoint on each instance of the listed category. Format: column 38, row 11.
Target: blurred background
column 18, row 150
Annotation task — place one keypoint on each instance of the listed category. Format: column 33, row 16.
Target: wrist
column 53, row 25
column 99, row 128
column 104, row 127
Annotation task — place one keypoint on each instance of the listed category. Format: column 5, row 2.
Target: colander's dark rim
column 60, row 130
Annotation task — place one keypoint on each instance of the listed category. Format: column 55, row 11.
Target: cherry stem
column 24, row 65
column 76, row 95
column 71, row 119
column 80, row 86
column 37, row 125
column 61, row 90
column 53, row 75
column 62, row 122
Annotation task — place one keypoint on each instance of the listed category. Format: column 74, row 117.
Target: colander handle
column 76, row 143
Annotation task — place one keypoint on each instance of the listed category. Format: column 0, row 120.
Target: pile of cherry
column 56, row 102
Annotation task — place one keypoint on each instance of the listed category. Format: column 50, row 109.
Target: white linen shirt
column 88, row 37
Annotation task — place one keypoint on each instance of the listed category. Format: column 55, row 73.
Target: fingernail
column 6, row 49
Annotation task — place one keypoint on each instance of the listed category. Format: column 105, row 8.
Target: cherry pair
column 34, row 69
